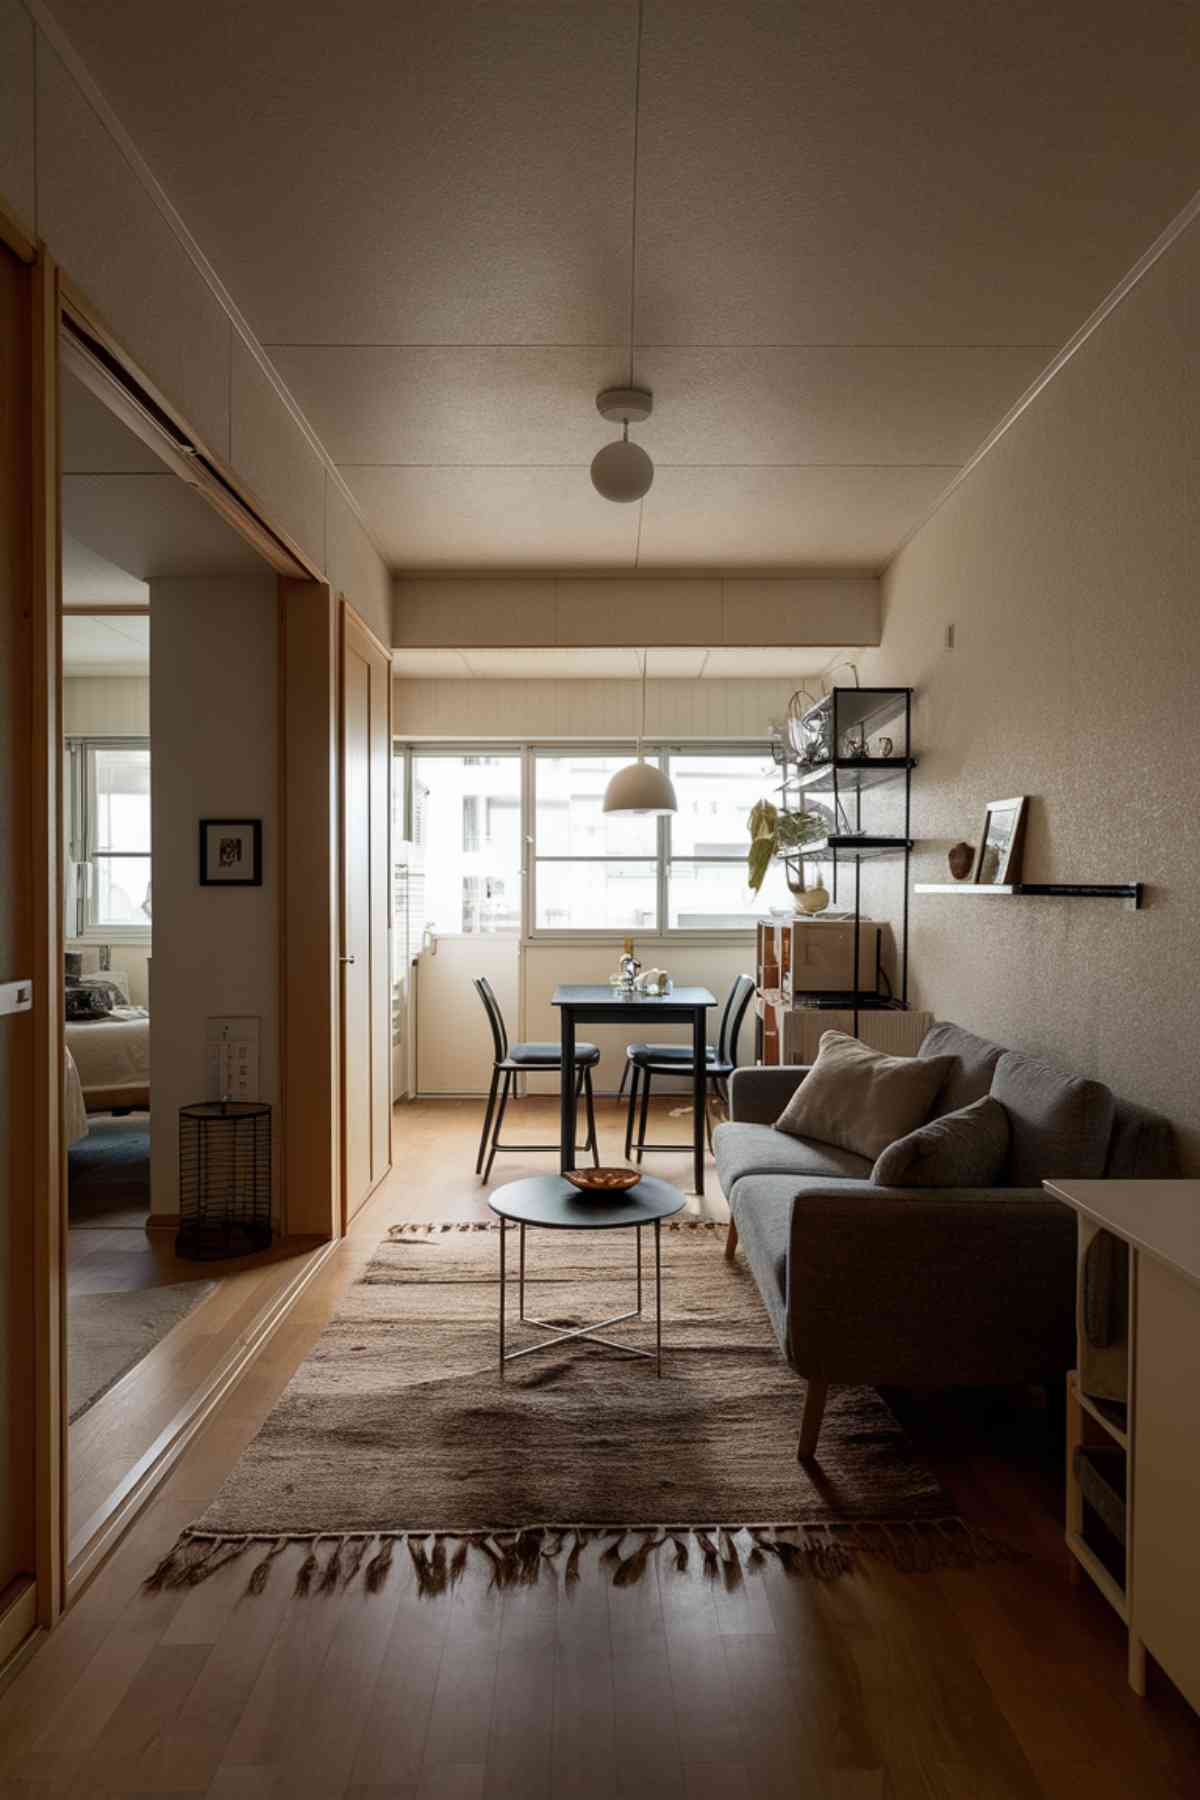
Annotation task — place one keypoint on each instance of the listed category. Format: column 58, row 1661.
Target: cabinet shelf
column 848, row 774
column 850, row 846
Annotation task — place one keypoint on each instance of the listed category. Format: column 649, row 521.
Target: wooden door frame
column 42, row 1167
column 348, row 613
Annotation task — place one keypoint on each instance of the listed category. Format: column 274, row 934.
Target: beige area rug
column 398, row 1430
column 109, row 1333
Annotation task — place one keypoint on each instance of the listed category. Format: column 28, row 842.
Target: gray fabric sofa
column 925, row 1287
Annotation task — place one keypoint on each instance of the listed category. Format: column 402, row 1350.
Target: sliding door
column 366, row 980
column 30, row 957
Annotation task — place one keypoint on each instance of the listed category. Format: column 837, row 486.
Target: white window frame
column 659, row 751
column 79, row 805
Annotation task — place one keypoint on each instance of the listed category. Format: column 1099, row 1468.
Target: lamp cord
column 642, row 729
column 637, row 93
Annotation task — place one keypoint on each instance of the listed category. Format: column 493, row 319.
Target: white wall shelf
column 1129, row 891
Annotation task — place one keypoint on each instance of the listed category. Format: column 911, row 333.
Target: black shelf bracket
column 1130, row 891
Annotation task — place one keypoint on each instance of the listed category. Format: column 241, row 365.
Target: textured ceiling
column 95, row 646
column 861, row 230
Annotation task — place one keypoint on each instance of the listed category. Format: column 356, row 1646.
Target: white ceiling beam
column 577, row 612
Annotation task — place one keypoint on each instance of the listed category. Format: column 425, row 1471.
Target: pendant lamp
column 640, row 787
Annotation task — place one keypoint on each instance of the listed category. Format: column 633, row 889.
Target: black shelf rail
column 1079, row 890
column 843, row 713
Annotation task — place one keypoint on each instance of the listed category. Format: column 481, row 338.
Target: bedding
column 75, row 1125
column 112, row 1055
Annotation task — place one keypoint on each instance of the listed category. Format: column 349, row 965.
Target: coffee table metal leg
column 638, row 1235
column 503, row 1228
column 657, row 1290
column 522, row 1283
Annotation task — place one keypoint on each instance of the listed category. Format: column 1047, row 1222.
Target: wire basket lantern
column 224, row 1179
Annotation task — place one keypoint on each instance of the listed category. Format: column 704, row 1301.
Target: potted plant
column 775, row 834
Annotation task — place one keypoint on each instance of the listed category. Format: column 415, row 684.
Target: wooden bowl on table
column 603, row 1181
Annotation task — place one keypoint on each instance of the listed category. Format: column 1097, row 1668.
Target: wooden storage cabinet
column 1149, row 1448
column 792, row 1034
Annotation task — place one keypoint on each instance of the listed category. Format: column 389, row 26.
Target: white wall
column 587, row 709
column 214, row 670
column 68, row 174
column 106, row 706
column 455, row 1047
column 1069, row 563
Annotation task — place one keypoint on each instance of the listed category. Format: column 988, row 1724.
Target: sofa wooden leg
column 731, row 1242
column 814, row 1412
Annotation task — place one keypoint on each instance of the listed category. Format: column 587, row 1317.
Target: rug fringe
column 517, row 1556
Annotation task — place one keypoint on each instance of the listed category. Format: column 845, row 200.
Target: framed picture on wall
column 1000, row 843
column 231, row 852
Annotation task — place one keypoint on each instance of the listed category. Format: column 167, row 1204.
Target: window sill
column 129, row 936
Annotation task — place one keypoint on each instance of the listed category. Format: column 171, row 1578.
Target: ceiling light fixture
column 622, row 471
column 640, row 787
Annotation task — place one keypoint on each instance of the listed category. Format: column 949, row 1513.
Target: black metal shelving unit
column 830, row 754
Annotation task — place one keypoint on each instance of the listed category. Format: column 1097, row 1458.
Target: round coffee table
column 550, row 1202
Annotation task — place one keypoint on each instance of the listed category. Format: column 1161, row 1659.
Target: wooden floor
column 109, row 1446
column 1004, row 1683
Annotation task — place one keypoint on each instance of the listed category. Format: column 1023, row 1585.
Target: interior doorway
column 170, row 660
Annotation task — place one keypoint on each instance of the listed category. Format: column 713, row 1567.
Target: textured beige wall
column 1068, row 563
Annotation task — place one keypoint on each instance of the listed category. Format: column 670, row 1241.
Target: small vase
column 960, row 859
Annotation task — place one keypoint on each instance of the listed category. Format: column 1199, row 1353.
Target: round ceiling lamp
column 640, row 787
column 622, row 471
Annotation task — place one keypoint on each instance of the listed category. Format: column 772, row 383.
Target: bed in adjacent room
column 109, row 1043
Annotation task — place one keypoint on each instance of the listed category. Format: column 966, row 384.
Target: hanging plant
column 774, row 834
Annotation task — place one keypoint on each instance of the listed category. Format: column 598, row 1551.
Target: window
column 108, row 840
column 706, row 867
column 466, row 818
column 588, row 871
column 594, row 871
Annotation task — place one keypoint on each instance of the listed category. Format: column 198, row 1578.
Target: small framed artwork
column 1000, row 842
column 231, row 853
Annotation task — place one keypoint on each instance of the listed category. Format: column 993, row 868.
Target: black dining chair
column 511, row 1060
column 642, row 1061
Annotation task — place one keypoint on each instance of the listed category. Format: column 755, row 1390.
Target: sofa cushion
column 764, row 1232
column 1142, row 1146
column 968, row 1148
column 761, row 1150
column 860, row 1099
column 1061, row 1124
column 974, row 1064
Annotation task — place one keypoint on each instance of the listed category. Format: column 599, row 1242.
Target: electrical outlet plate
column 16, row 996
column 231, row 1048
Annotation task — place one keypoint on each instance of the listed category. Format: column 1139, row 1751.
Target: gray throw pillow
column 860, row 1099
column 968, row 1148
column 1061, row 1124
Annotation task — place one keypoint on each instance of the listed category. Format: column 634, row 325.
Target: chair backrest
column 731, row 1018
column 491, row 1007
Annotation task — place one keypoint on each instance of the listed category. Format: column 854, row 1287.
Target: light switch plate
column 231, row 1058
column 16, row 996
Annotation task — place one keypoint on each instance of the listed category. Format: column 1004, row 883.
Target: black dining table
column 609, row 1005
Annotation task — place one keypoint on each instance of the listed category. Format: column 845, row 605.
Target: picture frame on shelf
column 231, row 853
column 1001, row 841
